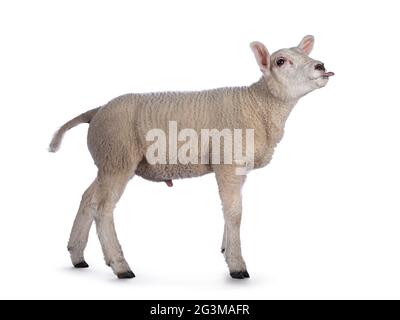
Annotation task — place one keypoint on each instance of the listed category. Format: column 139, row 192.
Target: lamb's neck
column 272, row 108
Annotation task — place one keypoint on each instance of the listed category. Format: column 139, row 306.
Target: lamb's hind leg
column 80, row 230
column 109, row 190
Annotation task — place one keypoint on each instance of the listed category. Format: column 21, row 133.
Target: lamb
column 118, row 142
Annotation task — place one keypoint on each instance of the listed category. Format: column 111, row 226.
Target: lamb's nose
column 320, row 67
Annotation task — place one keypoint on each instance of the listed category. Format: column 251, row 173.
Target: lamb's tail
column 83, row 118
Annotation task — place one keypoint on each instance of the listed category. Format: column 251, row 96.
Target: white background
column 321, row 221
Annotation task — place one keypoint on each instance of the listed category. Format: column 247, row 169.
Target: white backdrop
column 321, row 221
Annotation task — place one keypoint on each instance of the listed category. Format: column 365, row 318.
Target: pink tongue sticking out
column 328, row 74
column 169, row 183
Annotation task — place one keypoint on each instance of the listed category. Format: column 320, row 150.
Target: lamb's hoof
column 240, row 274
column 126, row 275
column 81, row 265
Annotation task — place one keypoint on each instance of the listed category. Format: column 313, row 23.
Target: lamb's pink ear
column 307, row 44
column 262, row 56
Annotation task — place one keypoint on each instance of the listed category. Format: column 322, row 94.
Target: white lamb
column 117, row 142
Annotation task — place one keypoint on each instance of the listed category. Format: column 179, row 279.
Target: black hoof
column 240, row 274
column 81, row 265
column 126, row 275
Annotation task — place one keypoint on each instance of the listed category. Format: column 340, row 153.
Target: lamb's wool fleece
column 117, row 131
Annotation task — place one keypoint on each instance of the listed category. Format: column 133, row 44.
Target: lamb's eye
column 280, row 62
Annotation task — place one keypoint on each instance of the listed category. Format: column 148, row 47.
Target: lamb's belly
column 162, row 172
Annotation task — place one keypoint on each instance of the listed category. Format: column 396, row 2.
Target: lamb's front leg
column 230, row 186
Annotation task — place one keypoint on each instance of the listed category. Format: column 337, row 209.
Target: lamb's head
column 291, row 73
